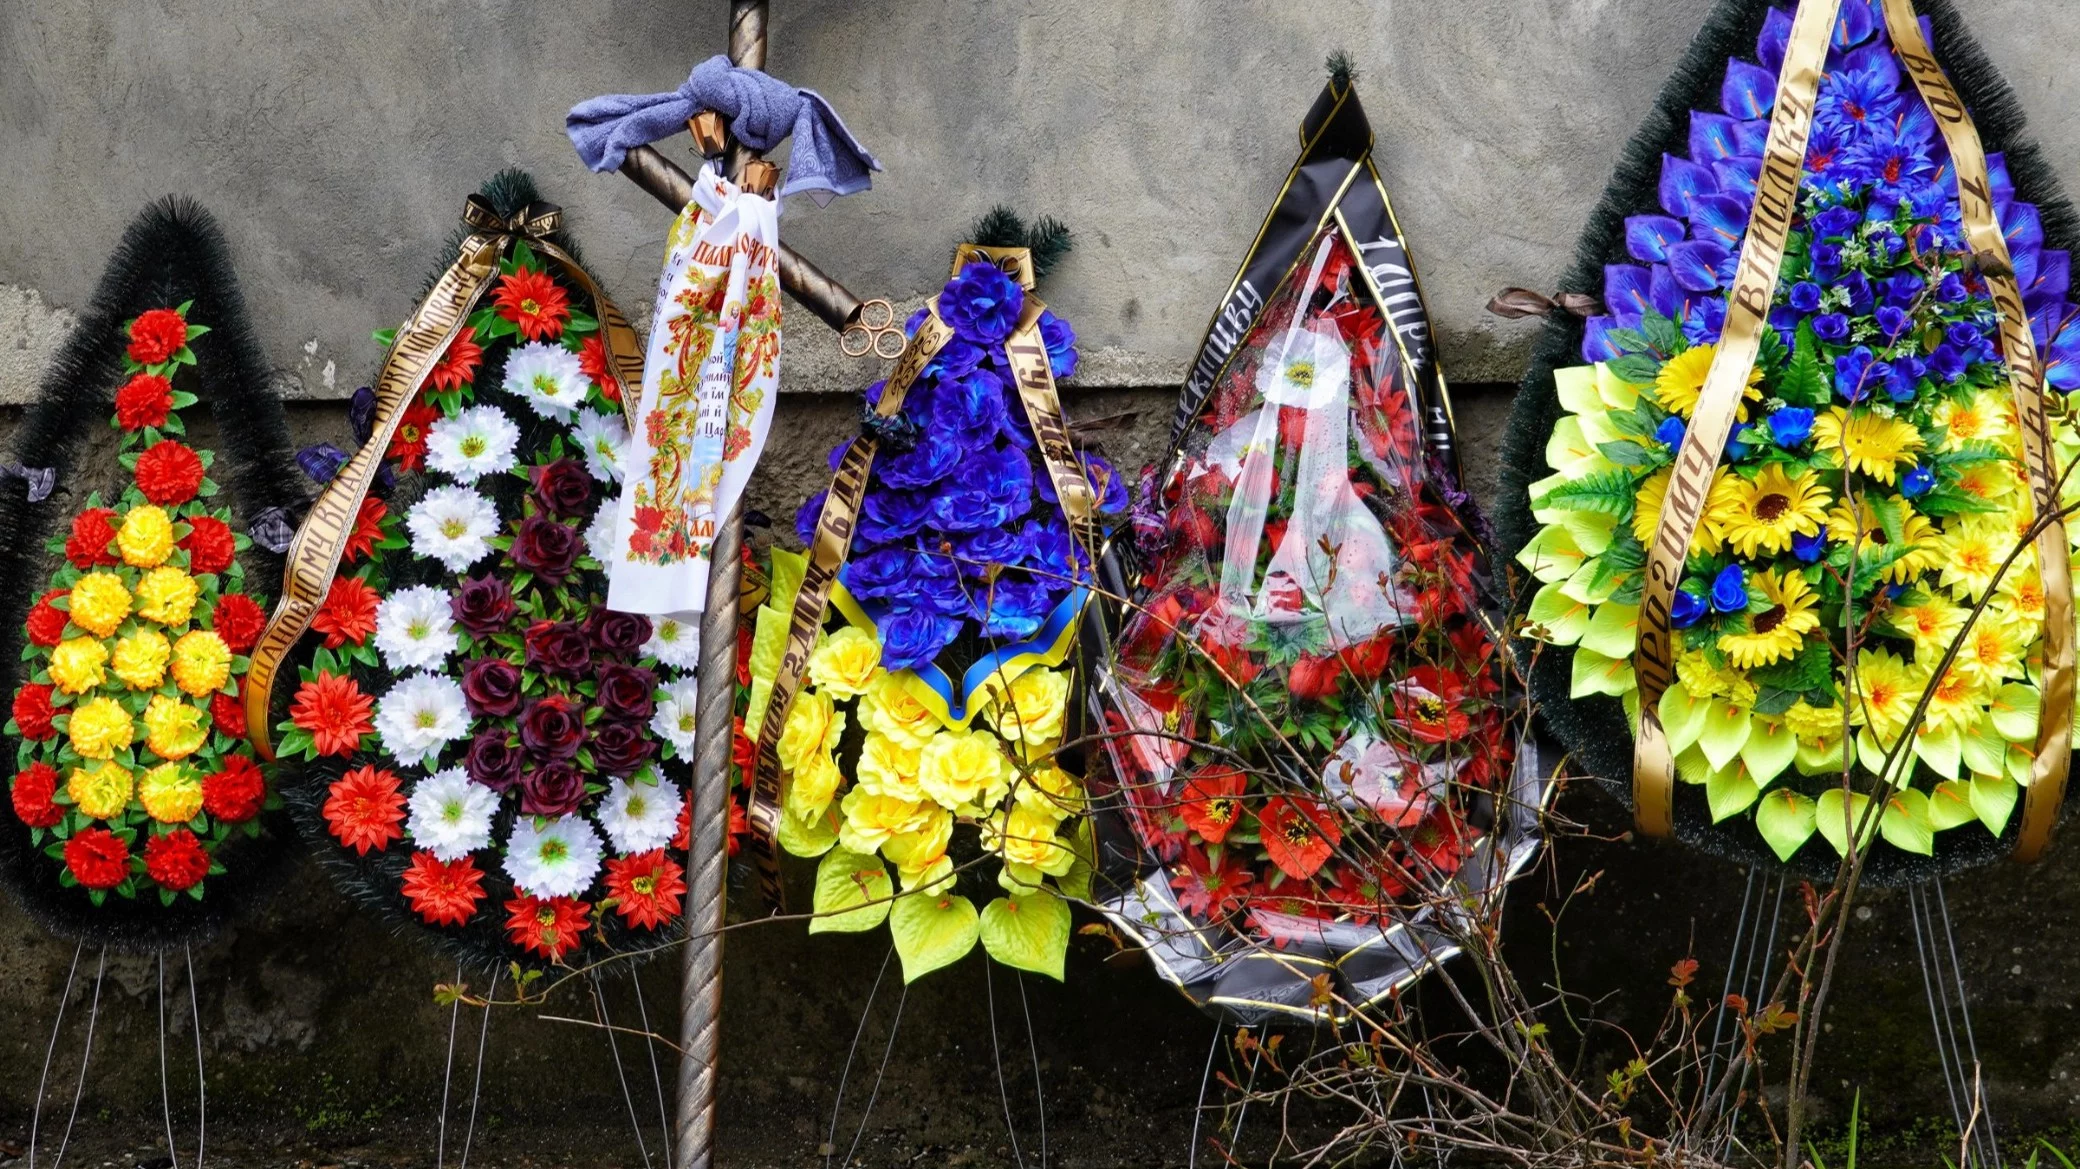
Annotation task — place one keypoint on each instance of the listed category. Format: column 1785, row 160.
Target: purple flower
column 1730, row 590
column 978, row 551
column 982, row 304
column 1892, row 322
column 1832, row 327
column 877, row 574
column 1805, row 296
column 888, row 516
column 1857, row 102
column 1947, row 362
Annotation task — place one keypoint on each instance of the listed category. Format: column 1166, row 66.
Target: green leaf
column 1028, row 932
column 1993, row 799
column 807, row 839
column 1785, row 821
column 1609, row 492
column 1805, row 382
column 1729, row 791
column 1828, row 816
column 932, row 930
column 1628, row 453
column 1637, row 368
column 1951, row 805
column 852, row 893
column 1905, row 822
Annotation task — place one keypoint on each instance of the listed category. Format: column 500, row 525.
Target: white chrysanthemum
column 641, row 816
column 673, row 721
column 475, row 443
column 453, row 525
column 558, row 859
column 604, row 438
column 451, row 814
column 415, row 629
column 419, row 716
column 549, row 377
column 599, row 534
column 674, row 642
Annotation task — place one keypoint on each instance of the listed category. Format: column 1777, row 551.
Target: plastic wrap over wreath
column 1311, row 752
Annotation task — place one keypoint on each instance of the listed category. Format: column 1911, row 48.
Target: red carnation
column 169, row 473
column 532, row 301
column 239, row 621
column 592, row 358
column 210, row 545
column 349, row 612
column 443, row 892
column 33, row 790
column 228, row 713
column 144, row 400
column 550, row 927
column 46, row 625
column 364, row 808
column 647, row 888
column 32, row 712
column 156, row 336
column 97, row 859
column 368, row 528
column 176, row 860
column 93, row 530
column 458, row 364
column 408, row 441
column 236, row 793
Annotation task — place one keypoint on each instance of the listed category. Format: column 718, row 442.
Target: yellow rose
column 915, row 853
column 813, row 724
column 99, row 603
column 174, row 729
column 146, row 537
column 140, row 659
column 890, row 708
column 201, row 662
column 965, row 769
column 102, row 793
column 871, row 821
column 813, row 785
column 166, row 595
column 171, row 793
column 100, row 727
column 1023, row 837
column 1032, row 711
column 888, row 768
column 76, row 665
column 846, row 664
column 1047, row 790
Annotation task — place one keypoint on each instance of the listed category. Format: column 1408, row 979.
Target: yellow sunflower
column 1985, row 417
column 1682, row 379
column 1646, row 512
column 1779, row 631
column 1867, row 442
column 1767, row 511
column 1916, row 532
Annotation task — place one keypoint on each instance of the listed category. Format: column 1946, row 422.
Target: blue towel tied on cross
column 827, row 160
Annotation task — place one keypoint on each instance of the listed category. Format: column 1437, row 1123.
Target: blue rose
column 971, row 408
column 1852, row 374
column 1791, row 426
column 1835, row 222
column 1947, row 362
column 1052, row 551
column 1951, row 289
column 1917, row 482
column 1736, row 450
column 876, row 574
column 1965, row 335
column 1686, row 609
column 805, row 517
column 1730, row 590
column 1805, row 296
column 1892, row 321
column 932, row 459
column 1060, row 340
column 1016, row 608
column 964, row 509
column 1831, row 327
column 913, row 639
column 958, row 359
column 991, row 547
column 1826, row 261
column 888, row 515
column 1809, row 549
column 1858, row 286
column 982, row 304
column 1902, row 288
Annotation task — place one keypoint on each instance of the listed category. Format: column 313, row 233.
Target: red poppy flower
column 365, row 809
column 368, row 528
column 239, row 620
column 1224, row 638
column 1313, row 679
column 157, row 335
column 93, row 530
column 169, row 473
column 46, row 625
column 145, row 400
column 176, row 860
column 1206, row 889
column 1298, row 833
column 1369, row 658
column 550, row 927
column 97, row 859
column 236, row 792
column 1431, row 703
column 227, row 712
column 533, row 302
column 443, row 892
column 33, row 713
column 592, row 358
column 648, row 888
column 1437, row 847
column 458, row 364
column 33, row 789
column 349, row 612
column 335, row 712
column 1212, row 801
column 210, row 545
column 408, row 441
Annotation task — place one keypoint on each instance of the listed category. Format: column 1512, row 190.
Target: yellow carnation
column 99, row 603
column 964, row 769
column 846, row 664
column 871, row 821
column 1024, row 837
column 99, row 728
column 1031, row 709
column 76, row 665
column 891, row 708
column 140, row 659
column 171, row 793
column 166, row 595
column 813, row 725
column 101, row 793
column 201, row 662
column 888, row 768
column 146, row 537
column 174, row 729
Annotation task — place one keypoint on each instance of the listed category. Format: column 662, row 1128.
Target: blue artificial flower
column 1857, row 103
column 1670, row 432
column 888, row 516
column 1835, row 223
column 1858, row 286
column 1947, row 362
column 877, row 574
column 1685, row 610
column 805, row 517
column 1809, row 549
column 1897, row 377
column 1805, row 296
column 1852, row 374
column 914, row 638
column 1826, row 261
column 1892, row 322
column 982, row 304
column 1730, row 590
column 1053, row 552
column 1016, row 608
column 1736, row 450
column 1901, row 289
column 1965, row 335
column 1791, row 425
column 1702, row 326
column 1918, row 481
column 1831, row 327
column 1894, row 591
column 1060, row 340
column 915, row 319
column 990, row 547
column 970, row 409
column 932, row 459
column 1951, row 289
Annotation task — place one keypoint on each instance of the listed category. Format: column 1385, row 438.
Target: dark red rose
column 1314, row 678
column 484, row 606
column 627, row 692
column 546, row 548
column 618, row 748
column 558, row 647
column 492, row 687
column 555, row 790
column 492, row 761
column 552, row 728
column 564, row 487
column 622, row 633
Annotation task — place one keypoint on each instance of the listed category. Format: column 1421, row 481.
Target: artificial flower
column 1930, row 620
column 139, row 661
column 46, row 623
column 920, row 856
column 604, row 439
column 239, row 620
column 1778, row 630
column 449, row 815
column 174, row 729
column 145, row 537
column 1992, row 651
column 166, row 595
column 1887, row 690
column 592, row 356
column 647, row 889
column 88, row 544
column 1970, row 555
column 531, row 299
column 77, row 665
column 365, row 810
column 493, row 687
column 548, row 377
column 1921, row 542
column 1760, row 516
column 549, row 927
column 890, row 708
column 453, row 525
column 1866, row 442
column 674, row 719
column 477, row 442
column 170, row 792
column 176, row 860
column 1431, row 702
column 32, row 710
column 563, row 487
column 100, row 792
column 408, row 442
column 144, row 401
column 210, row 545
column 348, row 614
column 32, row 794
column 458, row 363
column 443, row 892
column 415, row 629
column 964, row 770
column 483, row 605
column 156, row 336
column 201, row 663
column 334, row 711
column 169, row 473
column 99, row 729
column 1212, row 802
column 1210, row 884
column 99, row 603
column 846, row 663
column 638, row 817
column 814, row 725
column 674, row 643
column 553, row 858
column 886, row 767
column 1682, row 379
column 420, row 716
column 97, row 858
column 1299, row 834
column 368, row 529
column 1032, row 708
column 227, row 712
column 547, row 548
column 236, row 791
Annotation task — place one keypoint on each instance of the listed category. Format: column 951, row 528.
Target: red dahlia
column 592, row 358
column 458, row 364
column 238, row 620
column 368, row 528
column 46, row 626
column 169, row 473
column 97, row 859
column 93, row 530
column 349, row 612
column 237, row 792
column 335, row 712
column 33, row 713
column 210, row 545
column 532, row 301
column 156, row 336
column 408, row 441
column 550, row 927
column 443, row 892
column 176, row 860
column 647, row 887
column 364, row 810
column 144, row 400
column 33, row 789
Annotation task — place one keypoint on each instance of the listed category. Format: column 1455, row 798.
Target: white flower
column 415, row 629
column 641, row 816
column 452, row 525
column 600, row 533
column 549, row 377
column 673, row 721
column 604, row 438
column 475, row 443
column 674, row 642
column 420, row 715
column 451, row 814
column 558, row 859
